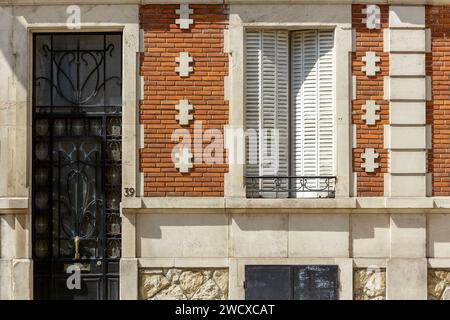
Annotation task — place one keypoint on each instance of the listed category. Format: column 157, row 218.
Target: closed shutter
column 312, row 106
column 311, row 119
column 252, row 100
column 267, row 104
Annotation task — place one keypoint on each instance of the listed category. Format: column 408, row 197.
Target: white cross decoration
column 183, row 160
column 372, row 19
column 183, row 68
column 371, row 60
column 184, row 22
column 183, row 115
column 369, row 156
column 371, row 115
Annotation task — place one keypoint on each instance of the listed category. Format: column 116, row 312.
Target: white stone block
column 372, row 19
column 7, row 233
column 184, row 21
column 319, row 235
column 408, row 235
column 370, row 116
column 183, row 160
column 404, row 40
column 406, row 16
column 22, row 279
column 353, row 87
column 5, row 279
column 369, row 157
column 402, row 137
column 406, row 88
column 129, row 279
column 407, row 64
column 183, row 117
column 407, row 112
column 182, row 235
column 407, row 161
column 259, row 235
column 370, row 235
column 406, row 279
column 370, row 60
column 184, row 68
column 406, row 185
column 438, row 235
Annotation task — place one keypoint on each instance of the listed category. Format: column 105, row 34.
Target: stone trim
column 154, row 204
column 183, row 262
column 337, row 17
column 14, row 205
column 407, row 85
column 369, row 67
column 253, row 2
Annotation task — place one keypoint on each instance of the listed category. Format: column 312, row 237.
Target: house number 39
column 129, row 192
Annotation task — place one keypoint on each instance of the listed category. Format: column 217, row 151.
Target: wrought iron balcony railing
column 290, row 186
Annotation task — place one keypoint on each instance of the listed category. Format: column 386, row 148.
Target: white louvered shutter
column 267, row 105
column 312, row 106
column 252, row 101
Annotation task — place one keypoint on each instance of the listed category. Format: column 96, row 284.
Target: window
column 289, row 93
column 286, row 282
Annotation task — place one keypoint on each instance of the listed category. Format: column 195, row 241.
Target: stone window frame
column 292, row 17
column 25, row 22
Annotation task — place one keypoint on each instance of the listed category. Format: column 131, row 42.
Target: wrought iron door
column 77, row 105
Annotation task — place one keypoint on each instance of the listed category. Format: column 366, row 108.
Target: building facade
column 222, row 149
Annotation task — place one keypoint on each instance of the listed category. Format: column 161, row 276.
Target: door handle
column 77, row 248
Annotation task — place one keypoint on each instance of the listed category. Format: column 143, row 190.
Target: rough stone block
column 183, row 284
column 369, row 283
column 439, row 284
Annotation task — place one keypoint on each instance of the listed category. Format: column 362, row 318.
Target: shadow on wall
column 151, row 226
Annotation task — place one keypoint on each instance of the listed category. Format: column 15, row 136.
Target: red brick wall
column 204, row 88
column 438, row 110
column 369, row 88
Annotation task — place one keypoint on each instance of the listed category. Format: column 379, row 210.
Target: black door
column 285, row 282
column 77, row 127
